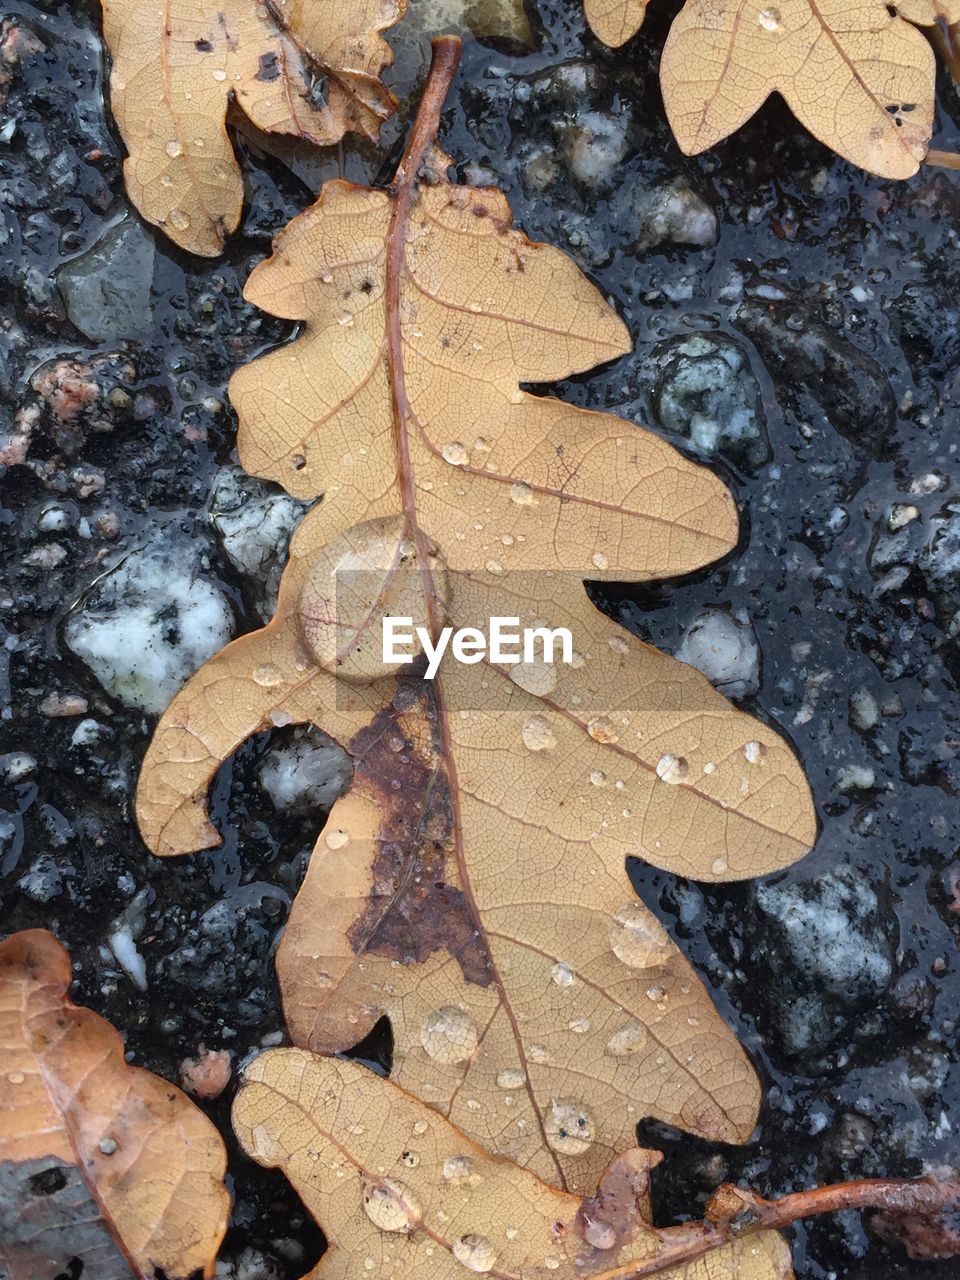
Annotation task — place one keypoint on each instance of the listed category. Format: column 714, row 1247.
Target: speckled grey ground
column 791, row 313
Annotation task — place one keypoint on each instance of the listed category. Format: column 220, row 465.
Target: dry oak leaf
column 400, row 1192
column 856, row 73
column 99, row 1160
column 309, row 68
column 472, row 883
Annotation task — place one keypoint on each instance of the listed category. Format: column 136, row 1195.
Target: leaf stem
column 736, row 1212
column 445, row 58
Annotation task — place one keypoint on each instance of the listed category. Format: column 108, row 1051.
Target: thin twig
column 736, row 1212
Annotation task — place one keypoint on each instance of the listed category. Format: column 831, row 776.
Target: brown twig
column 736, row 1212
column 945, row 38
column 942, row 159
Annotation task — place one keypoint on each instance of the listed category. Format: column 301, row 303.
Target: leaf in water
column 400, row 1192
column 293, row 66
column 99, row 1161
column 472, row 883
column 859, row 76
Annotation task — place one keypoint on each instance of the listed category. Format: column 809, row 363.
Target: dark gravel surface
column 825, row 390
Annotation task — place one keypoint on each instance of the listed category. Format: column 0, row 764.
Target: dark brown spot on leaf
column 416, row 906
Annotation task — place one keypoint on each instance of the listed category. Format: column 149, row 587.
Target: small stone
column 593, row 147
column 725, row 649
column 150, row 623
column 307, row 775
column 673, row 214
column 855, row 777
column 254, row 527
column 208, row 1074
column 705, row 390
column 864, row 711
column 69, row 704
column 107, row 289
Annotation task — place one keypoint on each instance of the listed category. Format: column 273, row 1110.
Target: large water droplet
column 537, row 735
column 336, row 838
column 769, row 19
column 460, row 1171
column 538, row 677
column 569, row 1127
column 173, row 148
column 178, row 219
column 267, row 675
column 754, row 752
column 601, row 729
column 389, row 1206
column 455, row 453
column 449, row 1034
column 629, row 1039
column 475, row 1252
column 562, row 975
column 672, row 769
column 522, row 495
column 512, row 1078
column 638, row 938
column 600, row 561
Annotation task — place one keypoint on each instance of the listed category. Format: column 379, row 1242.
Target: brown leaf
column 99, row 1160
column 297, row 67
column 859, row 76
column 472, row 884
column 400, row 1192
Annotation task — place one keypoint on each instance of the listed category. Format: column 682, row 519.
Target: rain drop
column 538, row 678
column 638, row 938
column 388, row 1206
column 178, row 219
column 769, row 19
column 174, row 149
column 562, row 975
column 336, row 838
column 449, row 1034
column 672, row 769
column 600, row 561
column 455, row 453
column 522, row 495
column 754, row 752
column 597, row 777
column 601, row 730
column 460, row 1171
column 631, row 1038
column 537, row 735
column 475, row 1252
column 267, row 675
column 569, row 1127
column 512, row 1078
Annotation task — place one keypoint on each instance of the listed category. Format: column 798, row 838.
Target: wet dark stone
column 803, row 352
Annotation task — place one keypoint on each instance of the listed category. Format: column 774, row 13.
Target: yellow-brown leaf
column 401, row 1193
column 858, row 75
column 177, row 65
column 99, row 1160
column 472, row 884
